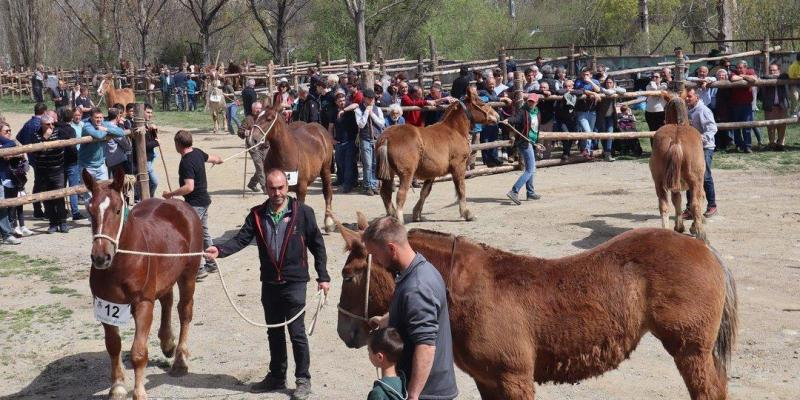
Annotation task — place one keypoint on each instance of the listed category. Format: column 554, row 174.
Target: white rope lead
column 260, row 142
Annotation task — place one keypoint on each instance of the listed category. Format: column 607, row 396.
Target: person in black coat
column 461, row 83
column 50, row 168
column 249, row 96
column 284, row 230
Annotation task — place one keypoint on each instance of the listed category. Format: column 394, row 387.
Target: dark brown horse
column 517, row 320
column 427, row 153
column 153, row 226
column 303, row 150
column 678, row 164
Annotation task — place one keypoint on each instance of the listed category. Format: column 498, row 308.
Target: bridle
column 365, row 317
column 263, row 132
column 101, row 235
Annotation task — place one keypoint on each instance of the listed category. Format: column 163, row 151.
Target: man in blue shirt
column 90, row 155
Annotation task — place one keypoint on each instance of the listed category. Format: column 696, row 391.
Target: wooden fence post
column 142, row 177
column 501, row 59
column 766, row 56
column 434, row 57
column 381, row 61
column 369, row 79
column 319, row 62
column 593, row 64
column 679, row 75
column 572, row 60
column 420, row 70
column 295, row 78
column 328, row 57
column 519, row 79
column 270, row 75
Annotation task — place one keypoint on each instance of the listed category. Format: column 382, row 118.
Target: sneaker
column 368, row 192
column 535, row 196
column 78, row 216
column 253, row 187
column 63, row 228
column 303, row 390
column 211, row 268
column 608, row 157
column 11, row 240
column 687, row 214
column 710, row 212
column 17, row 232
column 513, row 196
column 747, row 150
column 201, row 274
column 52, row 229
column 269, row 384
column 25, row 231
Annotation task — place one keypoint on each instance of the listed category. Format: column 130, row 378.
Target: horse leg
column 509, row 386
column 405, row 184
column 185, row 303
column 386, row 195
column 327, row 192
column 165, row 330
column 416, row 215
column 114, row 347
column 301, row 191
column 663, row 206
column 214, row 117
column 676, row 202
column 461, row 192
column 143, row 315
column 700, row 375
column 698, row 197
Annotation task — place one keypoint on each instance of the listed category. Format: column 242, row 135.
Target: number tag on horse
column 291, row 176
column 111, row 313
column 215, row 98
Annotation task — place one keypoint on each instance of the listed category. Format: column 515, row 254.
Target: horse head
column 354, row 313
column 106, row 210
column 269, row 120
column 477, row 111
column 676, row 111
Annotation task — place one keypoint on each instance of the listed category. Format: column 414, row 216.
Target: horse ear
column 352, row 239
column 119, row 179
column 88, row 180
column 362, row 221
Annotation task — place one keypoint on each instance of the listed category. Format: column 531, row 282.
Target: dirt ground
column 52, row 347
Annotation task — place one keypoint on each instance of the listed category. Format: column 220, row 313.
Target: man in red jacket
column 413, row 97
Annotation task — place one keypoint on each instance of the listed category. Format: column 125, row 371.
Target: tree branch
column 384, row 8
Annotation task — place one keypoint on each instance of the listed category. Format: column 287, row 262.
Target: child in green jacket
column 385, row 347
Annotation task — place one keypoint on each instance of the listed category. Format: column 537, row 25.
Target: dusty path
column 52, row 347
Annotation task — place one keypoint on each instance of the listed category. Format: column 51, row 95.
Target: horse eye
column 118, row 211
column 348, row 278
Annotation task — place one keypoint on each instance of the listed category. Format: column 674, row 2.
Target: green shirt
column 533, row 132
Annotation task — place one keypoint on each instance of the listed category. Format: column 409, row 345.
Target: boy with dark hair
column 386, row 347
column 194, row 187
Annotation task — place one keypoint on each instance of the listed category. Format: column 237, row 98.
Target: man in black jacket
column 249, row 96
column 284, row 230
column 461, row 83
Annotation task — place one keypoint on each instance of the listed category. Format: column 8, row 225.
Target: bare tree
column 23, row 24
column 205, row 13
column 644, row 24
column 512, row 8
column 357, row 10
column 274, row 23
column 143, row 13
column 725, row 12
column 91, row 21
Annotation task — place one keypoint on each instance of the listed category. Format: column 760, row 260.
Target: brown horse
column 153, row 226
column 113, row 95
column 678, row 164
column 518, row 319
column 428, row 153
column 303, row 150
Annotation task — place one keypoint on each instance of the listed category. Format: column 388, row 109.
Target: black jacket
column 249, row 97
column 460, row 86
column 291, row 265
column 308, row 110
column 767, row 94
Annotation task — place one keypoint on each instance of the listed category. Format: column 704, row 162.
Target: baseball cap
column 532, row 97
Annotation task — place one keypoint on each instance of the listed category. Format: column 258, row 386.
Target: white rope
column 365, row 317
column 260, row 142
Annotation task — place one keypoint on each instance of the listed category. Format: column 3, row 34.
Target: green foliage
column 468, row 29
column 332, row 31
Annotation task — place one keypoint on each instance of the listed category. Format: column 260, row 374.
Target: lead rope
column 260, row 142
column 365, row 317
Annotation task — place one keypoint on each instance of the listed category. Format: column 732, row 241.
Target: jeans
column 165, row 101
column 586, row 121
column 708, row 182
column 73, row 179
column 282, row 302
column 561, row 126
column 490, row 157
column 368, row 164
column 192, row 102
column 530, row 170
column 232, row 114
column 16, row 216
column 202, row 212
column 99, row 173
column 608, row 144
column 151, row 176
column 346, row 174
column 179, row 100
column 742, row 136
column 5, row 226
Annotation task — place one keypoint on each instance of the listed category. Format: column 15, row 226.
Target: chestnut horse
column 303, row 150
column 517, row 320
column 113, row 95
column 428, row 153
column 677, row 164
column 153, row 226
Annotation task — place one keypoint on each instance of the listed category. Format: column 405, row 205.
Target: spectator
column 370, row 125
column 60, row 95
column 490, row 133
column 309, row 110
column 531, row 83
column 179, row 84
column 586, row 108
column 91, row 155
column 775, row 101
column 74, row 94
column 84, row 103
column 794, row 99
column 413, row 97
column 257, row 153
column 480, row 79
column 627, row 123
column 741, row 100
column 607, row 112
column 435, row 94
column 418, row 311
column 654, row 109
column 385, row 348
column 460, row 85
column 27, row 135
column 721, row 107
column 37, row 83
column 50, row 170
column 117, row 150
column 232, row 107
column 703, row 81
column 345, row 131
column 14, row 183
column 291, row 226
column 566, row 121
column 6, row 231
column 167, row 87
column 547, row 113
column 526, row 121
column 702, row 119
column 73, row 171
column 249, row 96
column 666, row 75
column 194, row 188
column 560, row 79
column 395, row 116
column 191, row 91
column 283, row 98
column 724, row 64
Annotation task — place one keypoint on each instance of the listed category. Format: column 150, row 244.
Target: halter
column 114, row 241
column 467, row 113
column 364, row 318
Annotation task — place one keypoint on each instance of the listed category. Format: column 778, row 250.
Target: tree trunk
column 512, row 8
column 205, row 37
column 644, row 23
column 725, row 21
column 361, row 33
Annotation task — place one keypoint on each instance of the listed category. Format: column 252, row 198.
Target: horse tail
column 383, row 171
column 674, row 160
column 726, row 336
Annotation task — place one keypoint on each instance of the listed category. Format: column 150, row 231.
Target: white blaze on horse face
column 101, row 212
column 101, row 87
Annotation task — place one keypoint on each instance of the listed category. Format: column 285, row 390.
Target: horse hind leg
column 676, row 202
column 165, row 330
column 663, row 206
column 509, row 387
column 327, row 192
column 143, row 315
column 697, row 228
column 402, row 191
column 461, row 193
column 114, row 348
column 186, row 285
column 700, row 375
column 416, row 215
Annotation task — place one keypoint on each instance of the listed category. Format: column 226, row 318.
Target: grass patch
column 13, row 264
column 63, row 290
column 20, row 321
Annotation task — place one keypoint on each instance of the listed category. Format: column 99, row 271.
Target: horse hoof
column 169, row 349
column 330, row 226
column 178, row 370
column 117, row 392
column 469, row 216
column 680, row 229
